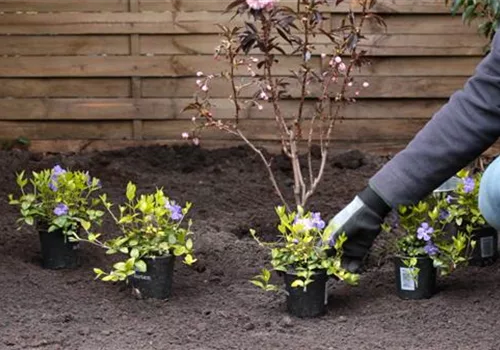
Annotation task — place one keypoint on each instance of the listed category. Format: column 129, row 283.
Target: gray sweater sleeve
column 457, row 134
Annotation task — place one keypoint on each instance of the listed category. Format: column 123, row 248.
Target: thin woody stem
column 237, row 107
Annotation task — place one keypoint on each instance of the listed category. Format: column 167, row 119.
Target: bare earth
column 213, row 305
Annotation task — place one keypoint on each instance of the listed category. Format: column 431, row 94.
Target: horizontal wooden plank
column 380, row 87
column 374, row 44
column 382, row 6
column 61, row 87
column 264, row 130
column 345, row 130
column 47, row 130
column 179, row 65
column 90, row 23
column 165, row 108
column 64, row 45
column 77, row 146
column 199, row 22
column 63, row 5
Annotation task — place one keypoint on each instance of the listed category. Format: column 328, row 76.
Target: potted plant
column 152, row 236
column 466, row 216
column 56, row 201
column 426, row 246
column 304, row 261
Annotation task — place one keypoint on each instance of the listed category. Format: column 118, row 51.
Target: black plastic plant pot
column 311, row 302
column 486, row 250
column 415, row 284
column 57, row 251
column 156, row 282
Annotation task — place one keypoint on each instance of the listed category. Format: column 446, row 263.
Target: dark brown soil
column 213, row 305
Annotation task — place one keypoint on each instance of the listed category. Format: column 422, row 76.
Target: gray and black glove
column 361, row 221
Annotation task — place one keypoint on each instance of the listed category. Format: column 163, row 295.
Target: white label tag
column 407, row 281
column 486, row 247
column 142, row 277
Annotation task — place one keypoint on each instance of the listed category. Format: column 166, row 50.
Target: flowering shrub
column 463, row 202
column 58, row 199
column 425, row 233
column 150, row 226
column 298, row 250
column 275, row 30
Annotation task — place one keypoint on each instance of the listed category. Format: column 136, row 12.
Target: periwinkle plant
column 424, row 231
column 151, row 225
column 59, row 199
column 304, row 249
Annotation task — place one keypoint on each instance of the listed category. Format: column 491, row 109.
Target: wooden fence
column 85, row 74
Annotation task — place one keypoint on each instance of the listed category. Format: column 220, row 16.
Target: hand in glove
column 361, row 221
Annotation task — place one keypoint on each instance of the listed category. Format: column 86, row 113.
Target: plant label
column 407, row 280
column 487, row 247
column 326, row 295
column 142, row 277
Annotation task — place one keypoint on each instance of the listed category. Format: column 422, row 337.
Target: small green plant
column 463, row 202
column 151, row 226
column 486, row 11
column 425, row 232
column 303, row 248
column 58, row 199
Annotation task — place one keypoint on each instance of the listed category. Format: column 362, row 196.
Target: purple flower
column 431, row 249
column 295, row 241
column 469, row 184
column 424, row 232
column 52, row 185
column 443, row 214
column 56, row 172
column 449, row 199
column 61, row 209
column 175, row 211
column 307, row 223
column 317, row 222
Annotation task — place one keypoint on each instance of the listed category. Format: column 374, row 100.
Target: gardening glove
column 361, row 221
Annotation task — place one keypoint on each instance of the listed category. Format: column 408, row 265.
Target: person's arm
column 457, row 134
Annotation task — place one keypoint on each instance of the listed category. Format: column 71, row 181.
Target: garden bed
column 213, row 305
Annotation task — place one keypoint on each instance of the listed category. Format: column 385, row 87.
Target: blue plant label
column 407, row 280
column 487, row 247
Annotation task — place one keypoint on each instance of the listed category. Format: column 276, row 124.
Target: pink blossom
column 261, row 4
column 338, row 59
column 204, row 87
column 199, row 82
column 366, row 84
column 263, row 95
column 185, row 135
column 199, row 74
column 349, row 84
column 323, row 55
column 342, row 67
column 196, row 141
column 357, row 93
column 260, row 107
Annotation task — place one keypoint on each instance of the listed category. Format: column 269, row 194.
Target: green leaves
column 147, row 230
column 44, row 191
column 303, row 248
column 130, row 193
column 140, row 266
